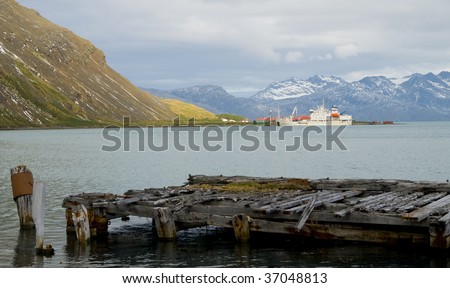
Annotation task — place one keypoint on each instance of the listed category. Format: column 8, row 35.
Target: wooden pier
column 368, row 210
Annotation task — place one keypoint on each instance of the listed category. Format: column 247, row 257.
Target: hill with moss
column 50, row 77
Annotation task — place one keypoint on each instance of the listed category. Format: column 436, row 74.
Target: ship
column 317, row 117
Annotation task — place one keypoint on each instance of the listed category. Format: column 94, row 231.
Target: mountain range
column 417, row 97
column 50, row 77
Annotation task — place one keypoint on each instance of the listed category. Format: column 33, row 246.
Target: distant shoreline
column 355, row 123
column 162, row 125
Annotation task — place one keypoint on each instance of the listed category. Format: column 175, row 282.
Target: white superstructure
column 318, row 116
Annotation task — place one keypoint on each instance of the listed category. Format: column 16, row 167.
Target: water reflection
column 138, row 246
column 440, row 262
column 242, row 254
column 166, row 254
column 25, row 251
column 75, row 249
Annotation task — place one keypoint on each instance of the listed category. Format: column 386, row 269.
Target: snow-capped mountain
column 421, row 88
column 295, row 88
column 445, row 76
column 417, row 97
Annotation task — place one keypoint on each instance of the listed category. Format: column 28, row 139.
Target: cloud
column 327, row 56
column 293, row 57
column 188, row 39
column 346, row 51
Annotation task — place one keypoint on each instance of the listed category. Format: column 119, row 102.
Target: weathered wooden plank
column 100, row 204
column 127, row 201
column 352, row 193
column 364, row 202
column 428, row 198
column 323, row 199
column 117, row 211
column 354, row 233
column 282, row 205
column 316, row 216
column 306, row 213
column 362, row 218
column 256, row 225
column 403, row 204
column 383, row 200
column 204, row 218
column 88, row 198
column 318, row 231
column 317, row 203
column 425, row 211
column 375, row 185
column 445, row 219
column 393, row 202
column 155, row 193
column 298, row 204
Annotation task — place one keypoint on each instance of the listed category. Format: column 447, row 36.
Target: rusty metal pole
column 22, row 186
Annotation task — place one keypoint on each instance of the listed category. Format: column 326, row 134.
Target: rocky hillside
column 212, row 98
column 51, row 77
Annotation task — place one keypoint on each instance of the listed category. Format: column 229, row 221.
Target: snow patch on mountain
column 287, row 89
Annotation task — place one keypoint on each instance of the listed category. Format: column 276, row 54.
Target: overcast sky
column 245, row 45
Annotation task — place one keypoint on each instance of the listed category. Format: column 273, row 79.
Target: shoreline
column 356, row 123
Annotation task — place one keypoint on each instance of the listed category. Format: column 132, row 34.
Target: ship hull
column 313, row 123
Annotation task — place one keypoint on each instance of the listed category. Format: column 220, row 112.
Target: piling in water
column 80, row 218
column 38, row 209
column 30, row 201
column 22, row 186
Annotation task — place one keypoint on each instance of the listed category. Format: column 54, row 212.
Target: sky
column 244, row 46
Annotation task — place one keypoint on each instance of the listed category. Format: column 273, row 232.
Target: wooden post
column 241, row 227
column 440, row 232
column 80, row 220
column 39, row 192
column 165, row 225
column 22, row 186
column 99, row 223
column 70, row 227
column 38, row 206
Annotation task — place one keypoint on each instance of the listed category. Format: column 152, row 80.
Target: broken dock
column 367, row 210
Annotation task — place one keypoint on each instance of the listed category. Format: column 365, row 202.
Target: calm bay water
column 72, row 162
